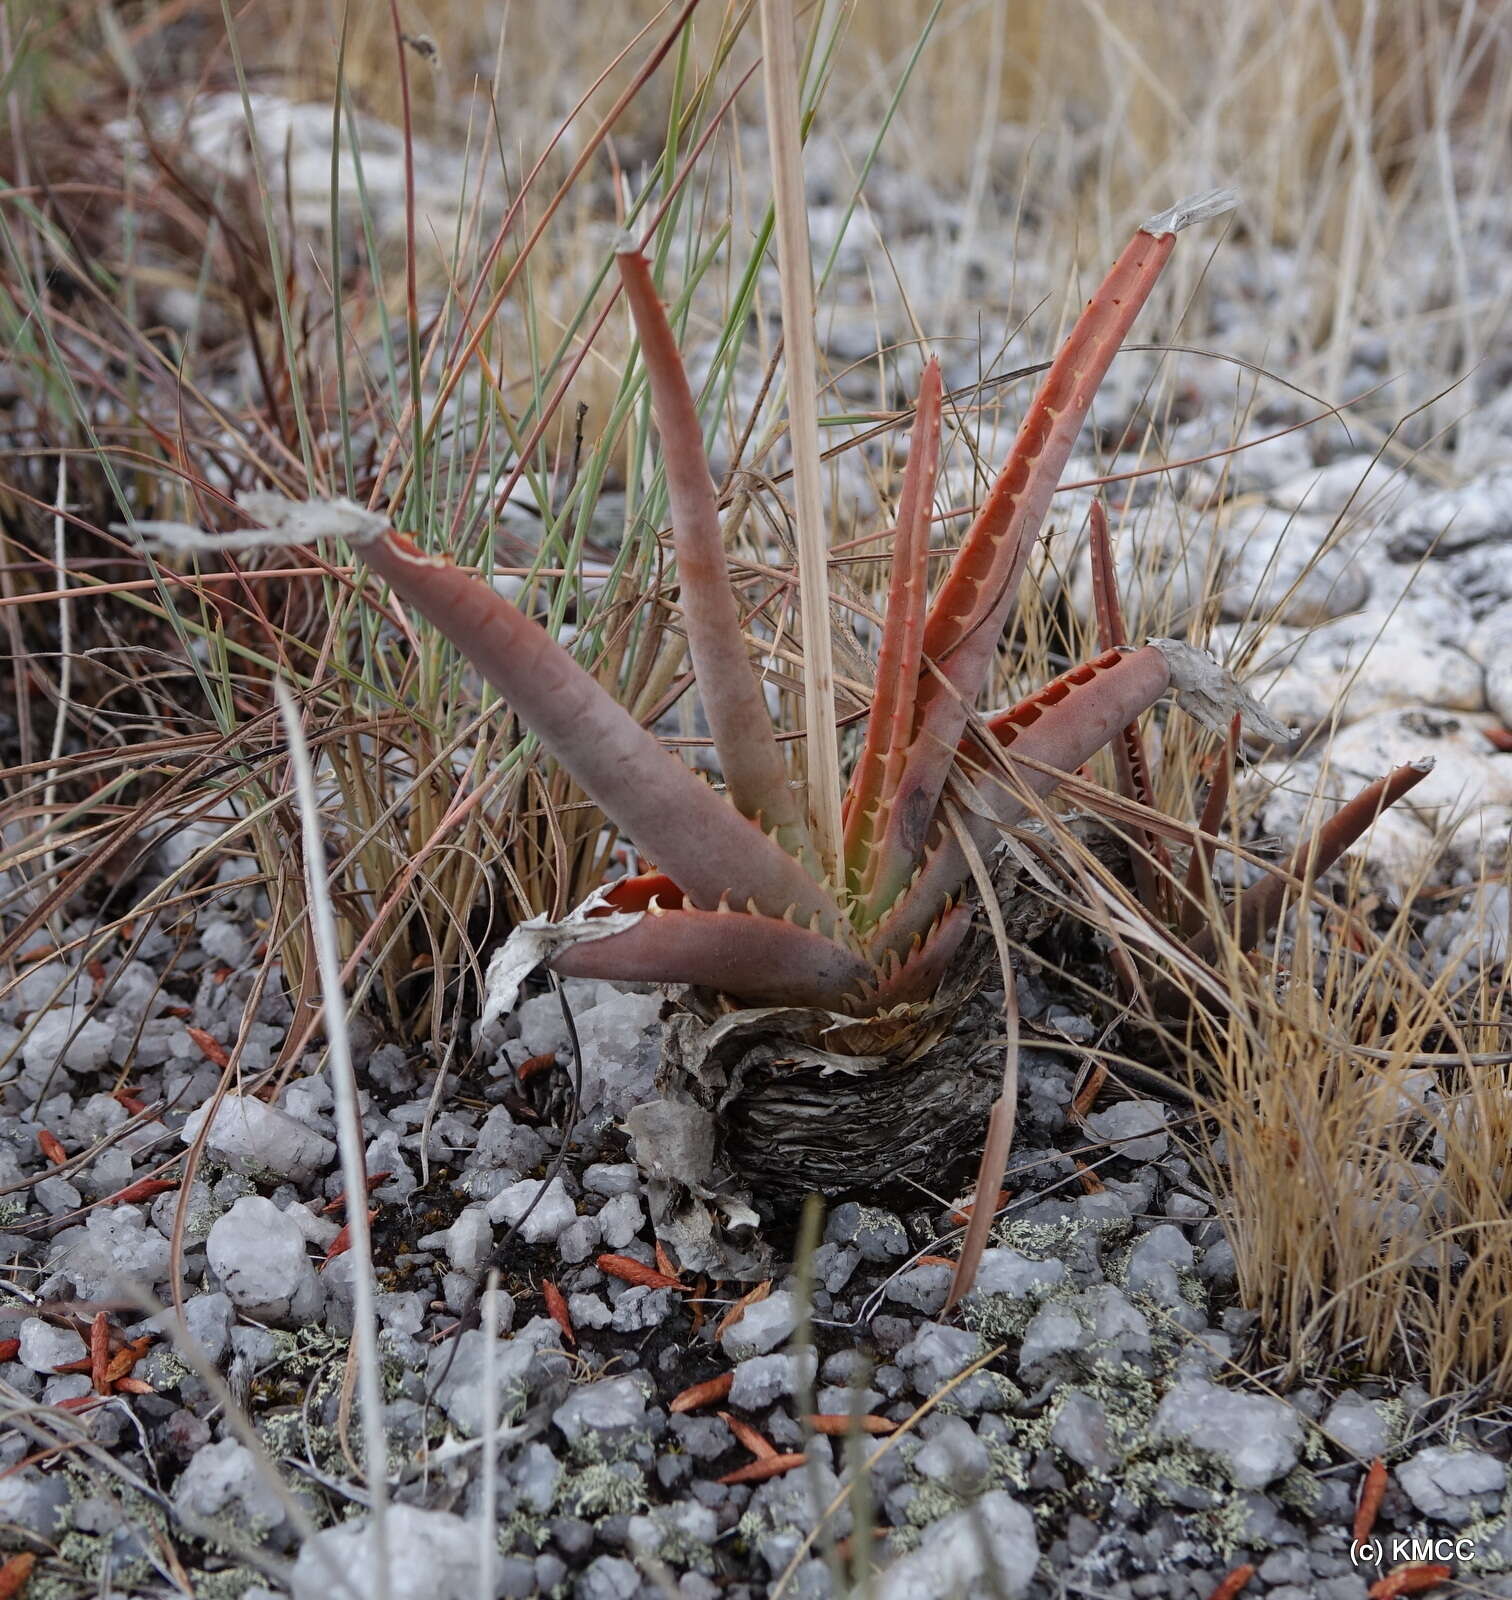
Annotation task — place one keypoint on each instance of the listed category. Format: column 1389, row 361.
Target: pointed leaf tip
column 1196, row 208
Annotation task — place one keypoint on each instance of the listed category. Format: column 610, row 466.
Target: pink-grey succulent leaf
column 919, row 973
column 889, row 729
column 1200, row 866
column 1148, row 857
column 755, row 773
column 1256, row 911
column 747, row 956
column 670, row 813
column 967, row 618
column 1060, row 726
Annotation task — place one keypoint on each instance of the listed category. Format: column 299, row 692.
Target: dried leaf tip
column 284, row 522
column 1210, row 693
column 1195, row 208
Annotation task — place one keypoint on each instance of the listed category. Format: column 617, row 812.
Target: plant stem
column 780, row 69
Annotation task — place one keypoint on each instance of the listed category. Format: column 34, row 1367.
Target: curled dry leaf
column 1372, row 1492
column 210, row 1047
column 556, row 1309
column 1232, row 1582
column 629, row 1270
column 15, row 1573
column 698, row 1395
column 52, row 1147
column 834, row 1422
column 749, row 1438
column 738, row 1310
column 767, row 1467
column 1415, row 1579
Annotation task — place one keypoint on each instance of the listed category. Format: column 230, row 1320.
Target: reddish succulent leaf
column 834, row 1422
column 753, row 766
column 1060, row 726
column 921, row 972
column 670, row 813
column 1256, row 910
column 142, row 1189
column 967, row 617
column 210, row 1047
column 889, row 728
column 751, row 957
column 1149, row 858
column 15, row 1574
column 1200, row 867
column 749, row 1438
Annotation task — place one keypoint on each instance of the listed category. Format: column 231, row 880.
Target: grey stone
column 989, row 1544
column 576, row 1242
column 1135, row 1129
column 612, row 1405
column 1361, row 1426
column 640, row 1308
column 762, row 1326
column 517, row 1364
column 552, row 1216
column 469, row 1240
column 878, row 1235
column 45, row 1348
column 955, row 1457
column 63, row 1039
column 608, row 1578
column 1080, row 1429
column 432, row 1555
column 1011, row 1273
column 1155, row 1262
column 1449, row 1485
column 612, row 1178
column 936, row 1354
column 924, row 1287
column 254, row 1138
column 225, row 1481
column 764, row 1379
column 1257, row 1439
column 259, row 1255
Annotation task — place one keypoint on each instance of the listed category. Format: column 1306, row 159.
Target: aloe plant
column 738, row 903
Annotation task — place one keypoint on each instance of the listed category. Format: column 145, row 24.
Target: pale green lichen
column 599, row 1491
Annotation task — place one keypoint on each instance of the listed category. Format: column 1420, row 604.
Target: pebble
column 259, row 1255
column 878, row 1235
column 761, row 1327
column 936, row 1354
column 1258, row 1439
column 552, row 1217
column 620, row 1219
column 61, row 1039
column 953, row 1555
column 1136, row 1129
column 432, row 1555
column 1452, row 1485
column 762, row 1380
column 610, row 1406
column 45, row 1347
column 254, row 1138
column 1361, row 1426
column 955, row 1457
column 226, row 1480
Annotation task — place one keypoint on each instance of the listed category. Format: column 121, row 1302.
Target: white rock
column 1135, row 1129
column 113, row 1248
column 1449, row 1485
column 432, row 1555
column 1370, row 487
column 225, row 1481
column 260, row 1257
column 1361, row 1426
column 1478, row 513
column 254, row 1138
column 612, row 1405
column 64, row 1039
column 1297, row 569
column 989, row 1545
column 1256, row 1438
column 469, row 1240
column 762, row 1326
column 45, row 1348
column 551, row 1216
column 620, row 1220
